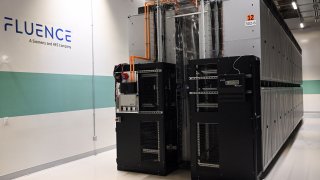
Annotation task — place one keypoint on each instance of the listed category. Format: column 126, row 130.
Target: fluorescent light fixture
column 294, row 5
column 301, row 25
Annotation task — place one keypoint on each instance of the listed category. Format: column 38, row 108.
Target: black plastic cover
column 128, row 88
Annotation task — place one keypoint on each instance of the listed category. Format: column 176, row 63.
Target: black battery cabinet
column 224, row 113
column 238, row 124
column 230, row 135
column 147, row 126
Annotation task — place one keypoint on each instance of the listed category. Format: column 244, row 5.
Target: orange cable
column 147, row 42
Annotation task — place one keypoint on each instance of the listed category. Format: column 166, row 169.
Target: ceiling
column 308, row 12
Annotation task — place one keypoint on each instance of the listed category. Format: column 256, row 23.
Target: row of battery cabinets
column 282, row 110
column 281, row 61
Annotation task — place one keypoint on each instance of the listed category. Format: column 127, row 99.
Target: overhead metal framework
column 308, row 10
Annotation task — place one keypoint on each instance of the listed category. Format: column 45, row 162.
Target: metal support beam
column 159, row 31
column 202, row 33
column 184, row 15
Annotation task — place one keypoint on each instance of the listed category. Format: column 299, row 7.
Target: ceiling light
column 301, row 25
column 294, row 5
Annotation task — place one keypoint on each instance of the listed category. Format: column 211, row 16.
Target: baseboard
column 55, row 163
column 313, row 112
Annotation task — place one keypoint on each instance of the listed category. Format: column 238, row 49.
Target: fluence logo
column 35, row 29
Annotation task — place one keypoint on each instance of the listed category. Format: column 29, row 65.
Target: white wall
column 33, row 140
column 111, row 32
column 309, row 40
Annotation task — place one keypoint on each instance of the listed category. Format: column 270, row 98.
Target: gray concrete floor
column 299, row 161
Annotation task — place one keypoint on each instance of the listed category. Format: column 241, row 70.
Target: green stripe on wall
column 36, row 93
column 311, row 87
